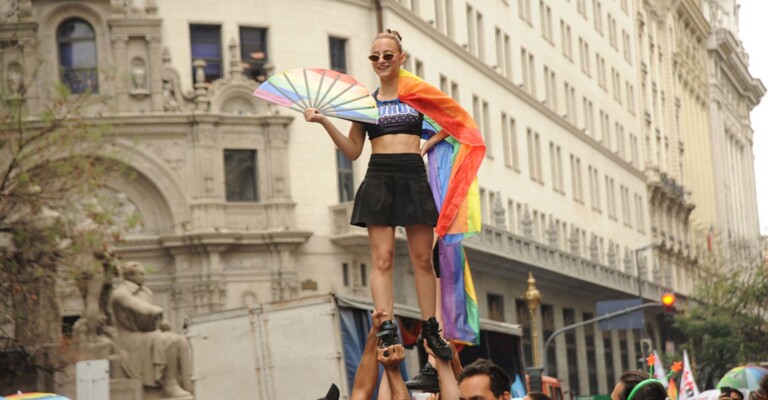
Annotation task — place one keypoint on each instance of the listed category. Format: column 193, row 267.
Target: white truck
column 295, row 349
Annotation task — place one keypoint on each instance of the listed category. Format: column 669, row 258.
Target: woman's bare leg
column 420, row 251
column 382, row 240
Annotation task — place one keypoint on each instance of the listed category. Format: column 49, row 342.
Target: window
column 616, row 81
column 576, row 184
column 569, row 318
column 570, row 103
column 511, row 216
column 626, row 46
column 495, row 307
column 548, row 328
column 630, row 90
column 455, row 90
column 634, row 153
column 610, row 197
column 556, row 168
column 581, row 7
column 507, row 58
column 625, row 211
column 524, row 319
column 613, row 38
column 345, row 273
column 589, row 116
column 253, row 52
column 345, row 177
column 524, row 11
column 589, row 339
column 608, row 354
column 480, row 34
column 545, row 15
column 78, row 60
column 597, row 11
column 529, row 74
column 206, row 46
column 363, row 275
column 594, row 188
column 444, row 84
column 534, row 155
column 640, row 207
column 338, row 50
column 241, row 175
column 485, row 125
column 550, row 89
column 565, row 39
column 418, row 67
column 620, row 145
column 509, row 138
column 584, row 57
column 471, row 31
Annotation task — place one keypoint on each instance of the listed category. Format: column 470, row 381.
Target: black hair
column 499, row 379
column 538, row 396
column 630, row 379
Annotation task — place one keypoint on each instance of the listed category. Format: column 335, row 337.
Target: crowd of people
column 480, row 380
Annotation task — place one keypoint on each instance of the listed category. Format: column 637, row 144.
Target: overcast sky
column 754, row 29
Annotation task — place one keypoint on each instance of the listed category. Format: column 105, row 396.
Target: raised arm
column 367, row 373
column 351, row 145
column 390, row 358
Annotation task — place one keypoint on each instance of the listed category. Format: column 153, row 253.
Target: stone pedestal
column 125, row 389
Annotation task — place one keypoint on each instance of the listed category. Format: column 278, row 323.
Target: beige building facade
column 243, row 202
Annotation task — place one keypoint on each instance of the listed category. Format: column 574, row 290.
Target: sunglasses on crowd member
column 386, row 57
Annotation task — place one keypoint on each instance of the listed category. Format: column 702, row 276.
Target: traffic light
column 668, row 300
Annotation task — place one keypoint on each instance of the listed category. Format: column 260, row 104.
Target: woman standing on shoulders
column 395, row 191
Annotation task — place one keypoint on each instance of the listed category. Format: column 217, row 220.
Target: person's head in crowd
column 729, row 393
column 650, row 390
column 484, row 380
column 762, row 392
column 536, row 396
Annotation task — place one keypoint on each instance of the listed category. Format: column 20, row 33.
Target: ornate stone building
column 724, row 189
column 584, row 106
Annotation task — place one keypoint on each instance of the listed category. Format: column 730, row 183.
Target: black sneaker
column 430, row 330
column 426, row 381
column 388, row 334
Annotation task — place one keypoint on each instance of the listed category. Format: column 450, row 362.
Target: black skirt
column 395, row 192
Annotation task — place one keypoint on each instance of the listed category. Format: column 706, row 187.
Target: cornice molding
column 723, row 44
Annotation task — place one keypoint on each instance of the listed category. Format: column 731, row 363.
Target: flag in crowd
column 688, row 388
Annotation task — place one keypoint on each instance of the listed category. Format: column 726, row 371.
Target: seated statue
column 156, row 356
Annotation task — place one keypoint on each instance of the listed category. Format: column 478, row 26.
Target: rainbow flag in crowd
column 672, row 391
column 453, row 166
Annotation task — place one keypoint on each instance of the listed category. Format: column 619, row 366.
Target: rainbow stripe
column 459, row 198
column 453, row 166
column 35, row 396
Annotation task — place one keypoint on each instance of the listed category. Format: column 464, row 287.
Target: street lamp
column 533, row 299
column 640, row 295
column 637, row 264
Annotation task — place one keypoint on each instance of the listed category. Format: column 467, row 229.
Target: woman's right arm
column 351, row 145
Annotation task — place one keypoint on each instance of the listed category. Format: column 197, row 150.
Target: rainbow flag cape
column 453, row 166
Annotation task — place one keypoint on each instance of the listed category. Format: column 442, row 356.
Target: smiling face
column 387, row 69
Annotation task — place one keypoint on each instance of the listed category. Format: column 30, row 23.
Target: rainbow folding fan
column 334, row 94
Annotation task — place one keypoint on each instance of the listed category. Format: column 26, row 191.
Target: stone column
column 119, row 43
column 155, row 61
column 581, row 355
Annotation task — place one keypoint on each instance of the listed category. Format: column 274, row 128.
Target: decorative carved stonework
column 526, row 223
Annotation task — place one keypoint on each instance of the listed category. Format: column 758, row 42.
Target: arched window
column 77, row 56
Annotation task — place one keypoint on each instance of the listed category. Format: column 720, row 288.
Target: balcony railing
column 503, row 244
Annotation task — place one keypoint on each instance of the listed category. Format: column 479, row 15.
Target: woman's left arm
column 436, row 138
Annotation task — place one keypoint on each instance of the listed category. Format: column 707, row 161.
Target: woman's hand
column 437, row 137
column 314, row 115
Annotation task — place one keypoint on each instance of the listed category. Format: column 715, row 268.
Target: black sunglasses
column 386, row 57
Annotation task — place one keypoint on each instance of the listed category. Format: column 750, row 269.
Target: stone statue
column 156, row 356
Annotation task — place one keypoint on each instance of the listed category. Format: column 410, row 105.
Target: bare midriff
column 393, row 143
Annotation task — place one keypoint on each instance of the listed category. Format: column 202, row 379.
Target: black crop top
column 395, row 117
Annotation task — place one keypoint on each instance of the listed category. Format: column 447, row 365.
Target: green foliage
column 726, row 323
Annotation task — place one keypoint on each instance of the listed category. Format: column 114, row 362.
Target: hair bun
column 395, row 34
